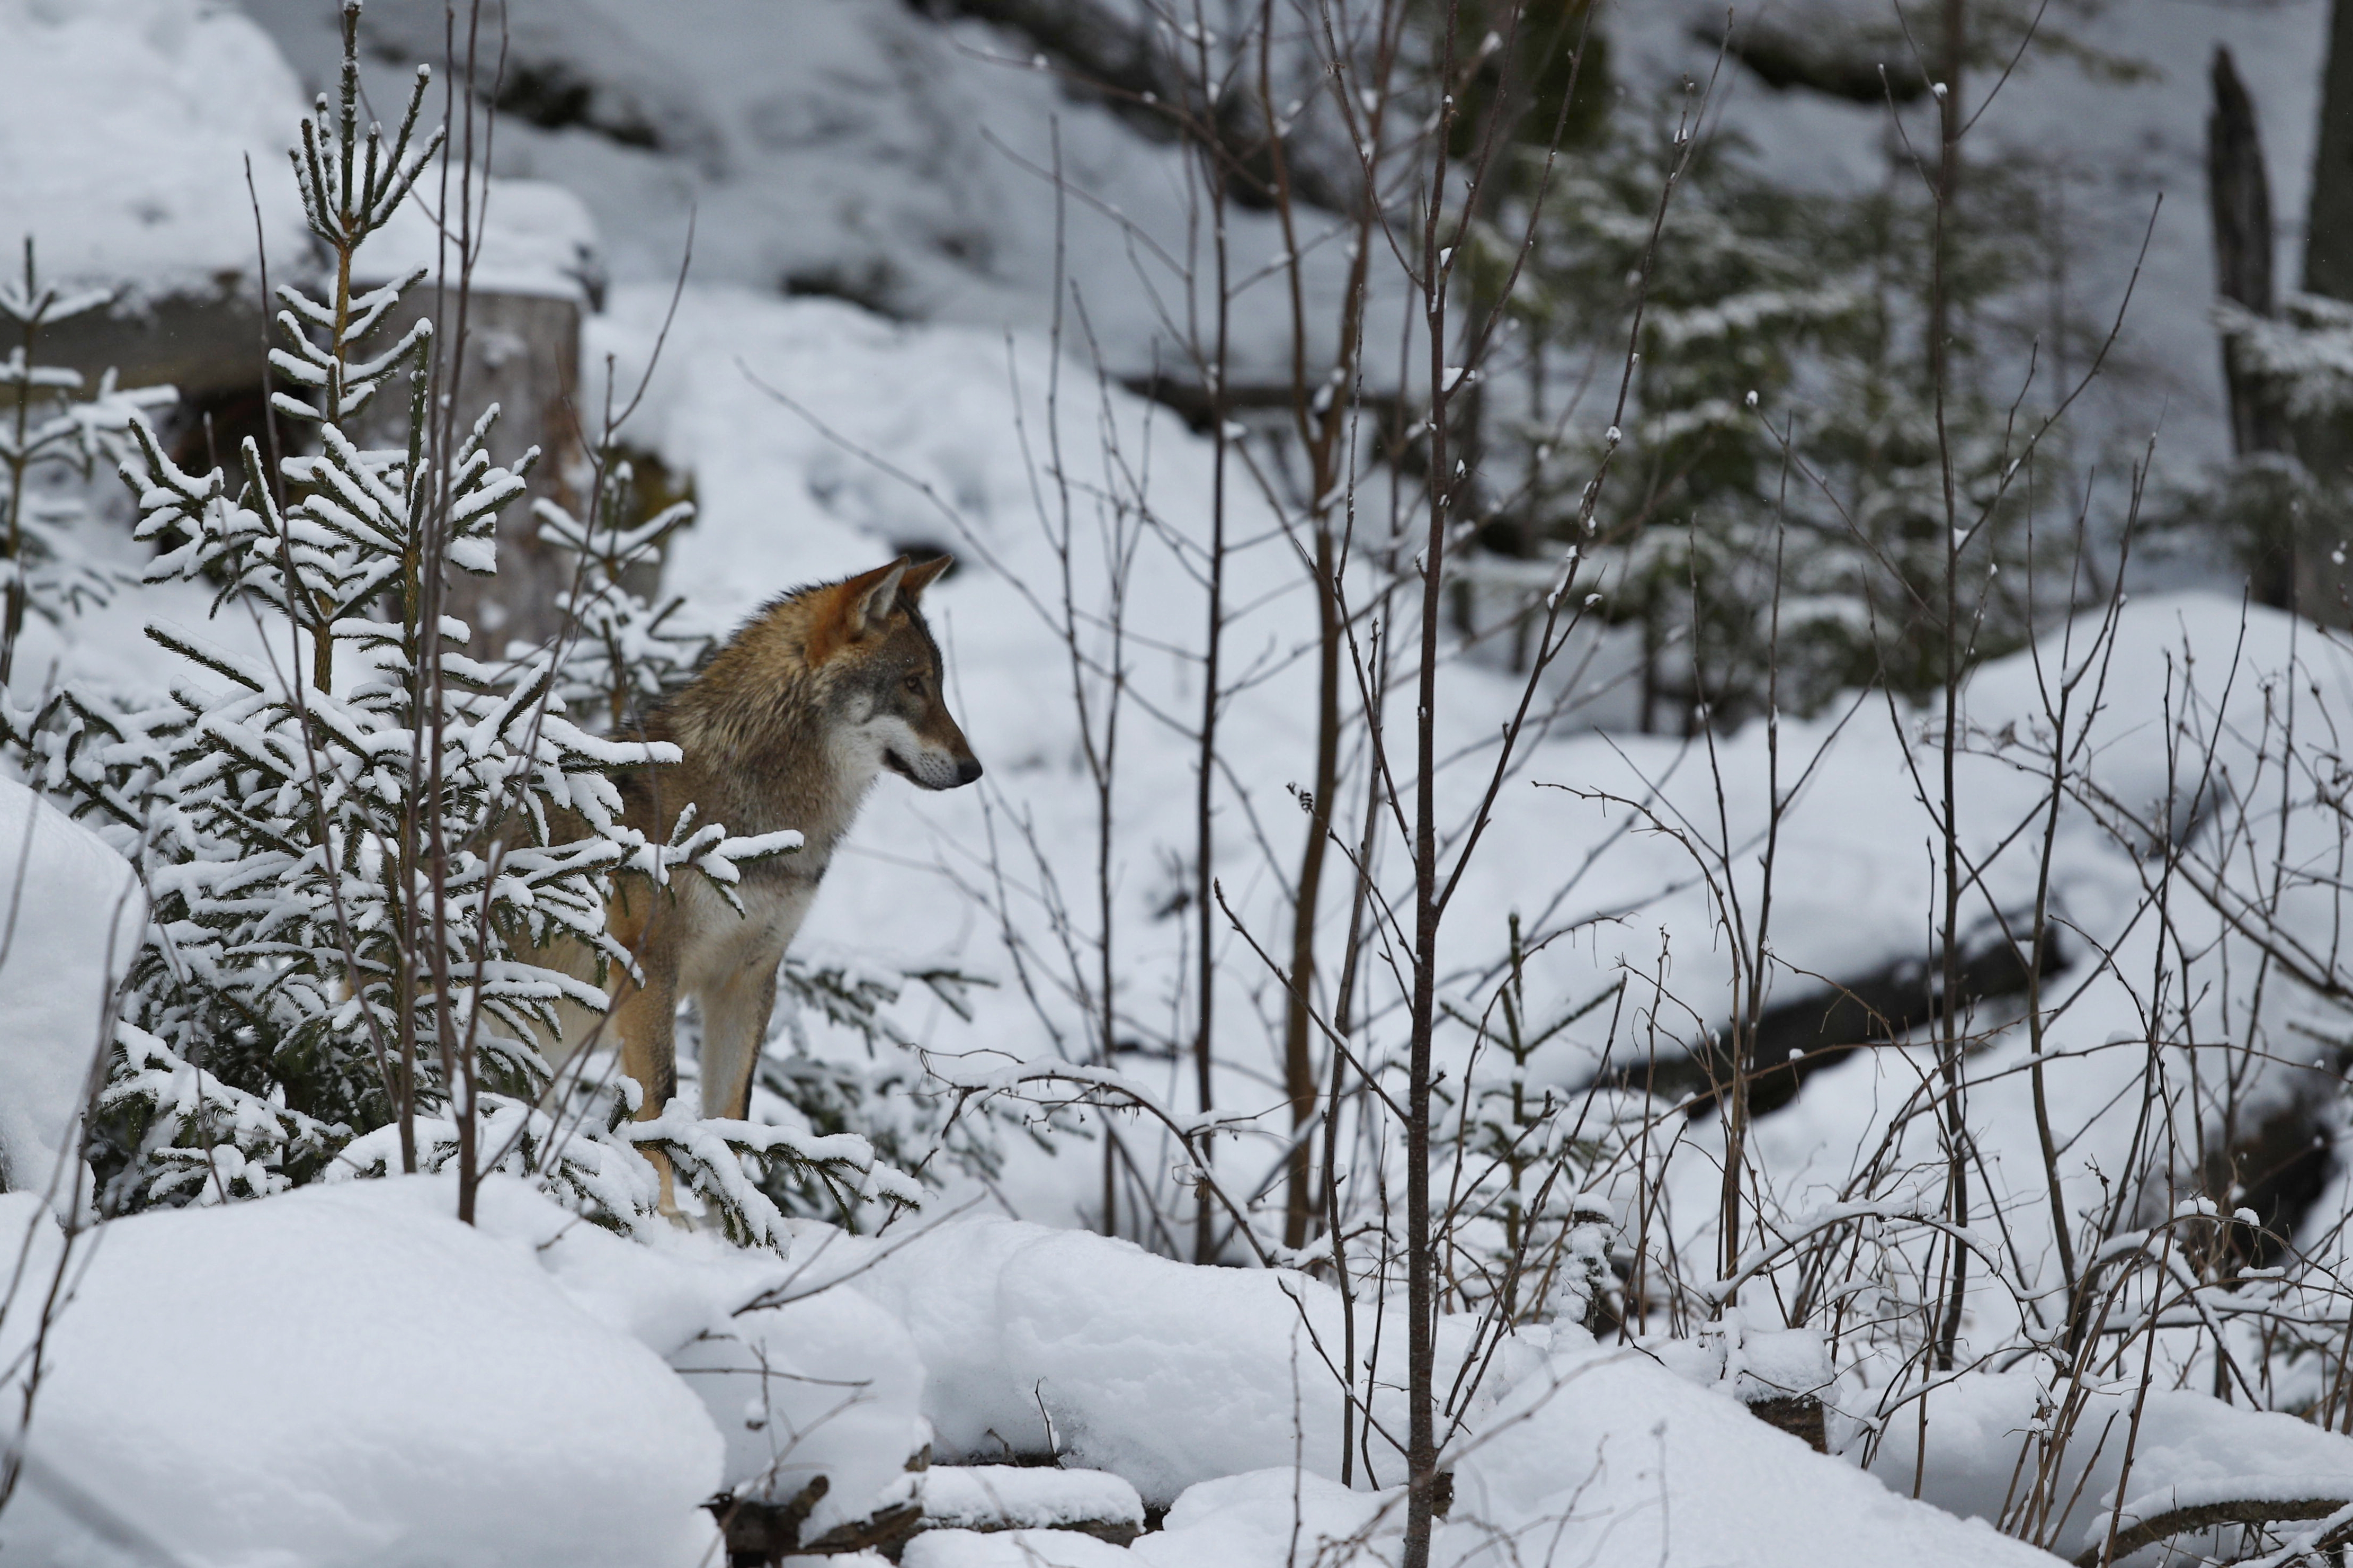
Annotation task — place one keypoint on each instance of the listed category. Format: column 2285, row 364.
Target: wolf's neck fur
column 761, row 733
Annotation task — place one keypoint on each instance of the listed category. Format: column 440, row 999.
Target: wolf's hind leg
column 734, row 1025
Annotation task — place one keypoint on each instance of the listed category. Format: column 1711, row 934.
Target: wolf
column 788, row 725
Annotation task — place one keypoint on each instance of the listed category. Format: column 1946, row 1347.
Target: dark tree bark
column 2328, row 232
column 2316, row 585
column 2239, row 193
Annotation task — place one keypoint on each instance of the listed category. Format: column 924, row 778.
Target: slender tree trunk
column 1421, row 1260
column 1950, row 126
column 1204, row 1244
column 2238, row 196
column 18, row 464
column 1298, row 1048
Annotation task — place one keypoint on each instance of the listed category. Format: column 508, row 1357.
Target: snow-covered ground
column 350, row 1377
column 323, row 1360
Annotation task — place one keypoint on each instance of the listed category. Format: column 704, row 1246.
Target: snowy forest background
column 1663, row 870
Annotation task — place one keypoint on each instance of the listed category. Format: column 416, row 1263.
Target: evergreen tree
column 1781, row 437
column 51, row 440
column 361, row 854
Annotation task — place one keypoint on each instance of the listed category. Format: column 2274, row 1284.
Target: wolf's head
column 881, row 674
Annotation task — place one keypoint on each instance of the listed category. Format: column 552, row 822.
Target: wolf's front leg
column 734, row 1025
column 646, row 1018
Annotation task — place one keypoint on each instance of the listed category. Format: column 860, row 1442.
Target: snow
column 859, row 150
column 799, row 1383
column 1257, row 1519
column 1012, row 1548
column 2190, row 1448
column 342, row 1376
column 574, row 1397
column 1613, row 1459
column 1589, row 1456
column 150, row 195
column 531, row 237
column 823, row 1383
column 960, row 418
column 988, row 1496
column 1038, row 1340
column 350, row 1349
column 1747, row 1361
column 1010, row 1337
column 74, row 915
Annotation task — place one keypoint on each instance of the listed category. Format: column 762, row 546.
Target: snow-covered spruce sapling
column 625, row 653
column 51, row 439
column 911, row 1118
column 361, row 852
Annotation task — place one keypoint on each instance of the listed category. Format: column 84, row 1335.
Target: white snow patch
column 982, row 1497
column 1042, row 1340
column 72, row 914
column 124, row 130
column 344, row 1377
column 531, row 238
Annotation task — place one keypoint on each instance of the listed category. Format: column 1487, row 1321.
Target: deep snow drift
column 72, row 915
column 334, row 1357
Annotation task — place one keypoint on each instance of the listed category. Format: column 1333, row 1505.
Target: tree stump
column 521, row 352
column 1799, row 1415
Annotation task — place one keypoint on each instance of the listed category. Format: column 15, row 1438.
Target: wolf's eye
column 914, row 685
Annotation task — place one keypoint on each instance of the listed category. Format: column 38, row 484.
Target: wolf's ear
column 868, row 600
column 922, row 576
column 854, row 608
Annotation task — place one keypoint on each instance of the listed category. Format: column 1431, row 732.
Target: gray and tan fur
column 787, row 726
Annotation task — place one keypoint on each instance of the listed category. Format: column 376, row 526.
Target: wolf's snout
column 967, row 771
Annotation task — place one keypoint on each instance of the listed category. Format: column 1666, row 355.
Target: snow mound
column 800, row 1384
column 822, row 1384
column 1594, row 1455
column 2186, row 1449
column 1013, row 1549
column 151, row 191
column 1590, row 1455
column 340, row 1375
column 1271, row 1519
column 1108, row 1357
column 70, row 917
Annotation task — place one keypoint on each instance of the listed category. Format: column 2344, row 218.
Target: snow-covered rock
column 824, row 1383
column 802, row 1382
column 124, row 130
column 342, row 1376
column 71, row 912
column 531, row 238
column 1013, row 1549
